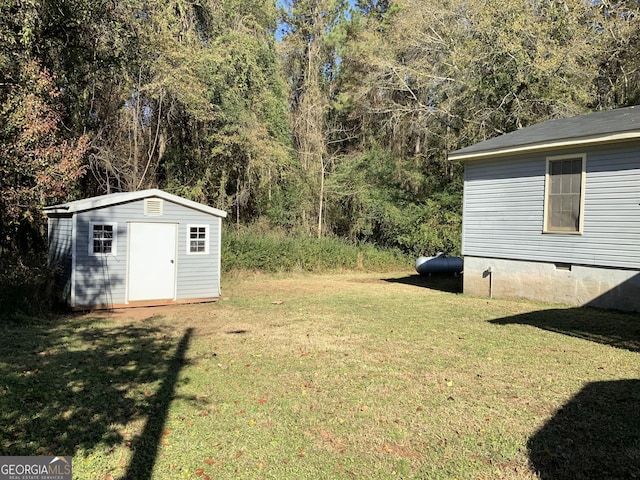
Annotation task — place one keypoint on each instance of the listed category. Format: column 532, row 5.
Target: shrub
column 255, row 248
column 26, row 286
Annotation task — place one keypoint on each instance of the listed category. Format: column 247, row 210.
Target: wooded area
column 323, row 117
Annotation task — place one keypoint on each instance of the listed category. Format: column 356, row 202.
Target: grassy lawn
column 329, row 376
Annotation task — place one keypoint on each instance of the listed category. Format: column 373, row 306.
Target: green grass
column 329, row 376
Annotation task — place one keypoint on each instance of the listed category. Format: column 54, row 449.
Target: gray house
column 552, row 212
column 135, row 249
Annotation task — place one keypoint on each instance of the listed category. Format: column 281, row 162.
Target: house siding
column 102, row 280
column 504, row 200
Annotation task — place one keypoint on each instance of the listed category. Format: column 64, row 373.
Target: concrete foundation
column 552, row 282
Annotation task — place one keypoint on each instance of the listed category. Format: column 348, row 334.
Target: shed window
column 564, row 198
column 102, row 238
column 198, row 239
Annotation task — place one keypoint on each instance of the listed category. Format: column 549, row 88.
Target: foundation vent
column 563, row 266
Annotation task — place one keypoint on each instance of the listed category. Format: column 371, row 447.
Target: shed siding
column 102, row 280
column 60, row 234
column 198, row 275
column 504, row 201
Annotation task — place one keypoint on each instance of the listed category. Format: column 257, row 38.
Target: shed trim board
column 124, row 197
column 135, row 272
column 219, row 254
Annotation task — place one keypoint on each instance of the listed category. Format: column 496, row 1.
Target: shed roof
column 594, row 128
column 124, row 197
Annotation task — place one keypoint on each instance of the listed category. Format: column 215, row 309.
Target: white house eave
column 565, row 143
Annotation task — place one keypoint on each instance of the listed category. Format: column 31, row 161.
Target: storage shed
column 552, row 212
column 135, row 249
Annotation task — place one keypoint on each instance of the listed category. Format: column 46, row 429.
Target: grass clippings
column 329, row 376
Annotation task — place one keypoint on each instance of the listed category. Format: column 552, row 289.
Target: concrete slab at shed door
column 152, row 260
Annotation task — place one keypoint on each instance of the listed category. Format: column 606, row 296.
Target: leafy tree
column 309, row 55
column 37, row 165
column 617, row 39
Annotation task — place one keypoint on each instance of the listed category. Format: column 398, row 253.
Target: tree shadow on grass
column 609, row 327
column 595, row 436
column 146, row 446
column 71, row 384
column 444, row 283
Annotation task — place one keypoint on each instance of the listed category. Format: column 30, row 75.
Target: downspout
column 489, row 273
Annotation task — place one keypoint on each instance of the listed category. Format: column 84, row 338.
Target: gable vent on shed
column 153, row 207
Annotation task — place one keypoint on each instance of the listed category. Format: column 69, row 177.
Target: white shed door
column 152, row 261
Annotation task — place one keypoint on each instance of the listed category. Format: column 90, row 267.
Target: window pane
column 564, row 194
column 102, row 238
column 564, row 220
column 576, row 166
column 575, row 182
column 566, row 184
column 197, row 239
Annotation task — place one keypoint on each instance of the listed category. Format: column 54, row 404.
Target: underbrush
column 26, row 286
column 274, row 251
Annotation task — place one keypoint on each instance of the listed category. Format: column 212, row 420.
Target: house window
column 564, row 194
column 198, row 239
column 102, row 238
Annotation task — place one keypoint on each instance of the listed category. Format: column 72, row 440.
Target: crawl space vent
column 153, row 207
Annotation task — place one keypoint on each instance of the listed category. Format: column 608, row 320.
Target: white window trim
column 114, row 240
column 206, row 239
column 547, row 186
